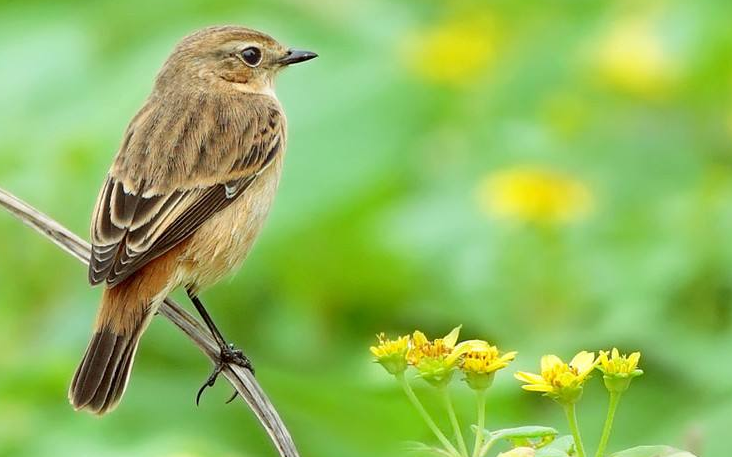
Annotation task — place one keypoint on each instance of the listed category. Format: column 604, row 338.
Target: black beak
column 295, row 56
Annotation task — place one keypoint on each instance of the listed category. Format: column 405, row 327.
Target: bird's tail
column 101, row 378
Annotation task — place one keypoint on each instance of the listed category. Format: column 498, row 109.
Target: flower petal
column 530, row 378
column 467, row 346
column 583, row 362
column 419, row 338
column 549, row 361
column 508, row 356
column 452, row 337
column 538, row 387
column 603, row 358
column 473, row 346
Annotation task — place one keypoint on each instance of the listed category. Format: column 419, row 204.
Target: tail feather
column 102, row 376
column 124, row 313
column 122, row 376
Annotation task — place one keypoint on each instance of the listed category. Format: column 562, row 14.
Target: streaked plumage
column 152, row 199
column 186, row 195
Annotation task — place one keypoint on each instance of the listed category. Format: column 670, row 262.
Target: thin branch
column 240, row 378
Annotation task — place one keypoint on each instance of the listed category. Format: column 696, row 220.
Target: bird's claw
column 228, row 355
column 210, row 381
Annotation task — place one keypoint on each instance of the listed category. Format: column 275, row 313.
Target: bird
column 186, row 195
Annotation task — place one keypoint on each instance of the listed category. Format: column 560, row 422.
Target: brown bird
column 187, row 194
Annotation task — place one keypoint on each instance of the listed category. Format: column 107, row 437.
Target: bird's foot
column 228, row 355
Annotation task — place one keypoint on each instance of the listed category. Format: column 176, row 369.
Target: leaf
column 534, row 436
column 560, row 447
column 653, row 451
column 530, row 431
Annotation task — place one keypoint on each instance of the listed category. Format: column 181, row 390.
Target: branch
column 240, row 378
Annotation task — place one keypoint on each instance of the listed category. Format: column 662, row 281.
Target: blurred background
column 554, row 177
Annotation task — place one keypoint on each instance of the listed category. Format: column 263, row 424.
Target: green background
column 376, row 226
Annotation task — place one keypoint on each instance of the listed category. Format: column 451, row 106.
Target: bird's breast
column 223, row 242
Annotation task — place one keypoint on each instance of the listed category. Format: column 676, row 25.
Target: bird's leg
column 228, row 353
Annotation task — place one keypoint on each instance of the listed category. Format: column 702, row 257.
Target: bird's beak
column 295, row 56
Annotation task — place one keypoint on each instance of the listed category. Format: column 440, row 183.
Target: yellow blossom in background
column 558, row 380
column 618, row 370
column 433, row 358
column 534, row 195
column 454, row 52
column 391, row 354
column 633, row 58
column 479, row 361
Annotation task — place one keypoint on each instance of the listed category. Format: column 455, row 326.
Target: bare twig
column 240, row 378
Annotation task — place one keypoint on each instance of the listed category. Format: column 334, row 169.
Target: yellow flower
column 433, row 359
column 618, row 364
column 633, row 58
column 391, row 354
column 558, row 380
column 439, row 348
column 454, row 52
column 534, row 195
column 618, row 370
column 479, row 361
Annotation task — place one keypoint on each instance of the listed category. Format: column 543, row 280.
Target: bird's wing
column 155, row 198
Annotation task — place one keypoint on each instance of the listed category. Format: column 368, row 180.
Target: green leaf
column 530, row 431
column 653, row 451
column 532, row 435
column 560, row 447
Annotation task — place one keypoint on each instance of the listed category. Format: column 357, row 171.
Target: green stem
column 571, row 413
column 425, row 415
column 480, row 398
column 612, row 407
column 486, row 447
column 454, row 422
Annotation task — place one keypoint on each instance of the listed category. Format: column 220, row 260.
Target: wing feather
column 137, row 218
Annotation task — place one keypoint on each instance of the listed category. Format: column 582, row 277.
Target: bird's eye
column 252, row 56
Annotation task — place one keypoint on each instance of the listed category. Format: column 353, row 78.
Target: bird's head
column 228, row 57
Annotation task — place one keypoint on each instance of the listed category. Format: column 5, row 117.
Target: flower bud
column 618, row 370
column 392, row 354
